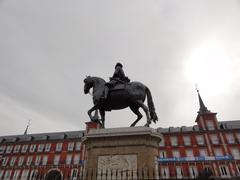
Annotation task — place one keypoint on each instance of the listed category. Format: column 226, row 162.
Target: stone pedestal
column 121, row 153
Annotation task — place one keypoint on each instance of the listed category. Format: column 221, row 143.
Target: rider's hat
column 118, row 64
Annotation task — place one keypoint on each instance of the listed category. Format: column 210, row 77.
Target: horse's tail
column 151, row 107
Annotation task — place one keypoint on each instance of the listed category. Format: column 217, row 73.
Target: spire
column 25, row 132
column 203, row 108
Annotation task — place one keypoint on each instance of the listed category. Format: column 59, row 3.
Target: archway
column 53, row 175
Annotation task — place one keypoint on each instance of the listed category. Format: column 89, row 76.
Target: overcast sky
column 48, row 47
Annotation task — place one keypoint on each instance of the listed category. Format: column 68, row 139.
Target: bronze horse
column 132, row 95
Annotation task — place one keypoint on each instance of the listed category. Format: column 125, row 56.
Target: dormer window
column 210, row 125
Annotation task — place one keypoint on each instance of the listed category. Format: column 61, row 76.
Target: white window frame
column 214, row 139
column 162, row 154
column 162, row 143
column 24, row 174
column 40, row 148
column 203, row 152
column 16, row 174
column 210, row 125
column 21, row 160
column 2, row 149
column 218, row 152
column 7, row 174
column 38, row 160
column 48, row 147
column 224, row 171
column 32, row 148
column 13, row 160
column 5, row 161
column 176, row 153
column 78, row 146
column 56, row 159
column 230, row 138
column 174, row 141
column 45, row 160
column 70, row 146
column 1, row 173
column 24, row 148
column 17, row 148
column 193, row 171
column 179, row 172
column 189, row 153
column 187, row 140
column 59, row 147
column 74, row 173
column 76, row 159
column 29, row 160
column 9, row 149
column 235, row 152
column 33, row 174
column 69, row 159
column 165, row 172
column 200, row 139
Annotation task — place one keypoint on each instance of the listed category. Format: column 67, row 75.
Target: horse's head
column 88, row 84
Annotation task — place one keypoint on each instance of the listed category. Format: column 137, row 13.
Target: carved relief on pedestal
column 117, row 165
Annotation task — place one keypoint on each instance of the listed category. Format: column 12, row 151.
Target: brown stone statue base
column 122, row 153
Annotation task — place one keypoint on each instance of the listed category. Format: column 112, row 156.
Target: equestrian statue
column 119, row 93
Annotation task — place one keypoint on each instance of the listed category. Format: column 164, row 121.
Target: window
column 13, row 160
column 2, row 149
column 179, row 172
column 7, row 174
column 214, row 139
column 76, row 159
column 78, row 146
column 70, row 146
column 162, row 143
column 193, row 172
column 40, row 147
column 32, row 148
column 37, row 160
column 230, row 138
column 235, row 153
column 59, row 147
column 20, row 160
column 29, row 160
column 56, row 159
column 174, row 141
column 47, row 147
column 210, row 125
column 238, row 137
column 187, row 140
column 165, row 172
column 16, row 174
column 162, row 154
column 189, row 153
column 16, row 148
column 45, row 160
column 176, row 153
column 74, row 173
column 218, row 152
column 33, row 174
column 224, row 171
column 4, row 161
column 25, row 174
column 203, row 152
column 200, row 139
column 69, row 159
column 9, row 149
column 24, row 148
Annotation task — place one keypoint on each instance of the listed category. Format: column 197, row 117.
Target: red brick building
column 185, row 152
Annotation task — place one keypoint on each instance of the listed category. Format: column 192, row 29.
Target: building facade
column 210, row 147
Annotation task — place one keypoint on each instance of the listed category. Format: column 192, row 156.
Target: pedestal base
column 121, row 152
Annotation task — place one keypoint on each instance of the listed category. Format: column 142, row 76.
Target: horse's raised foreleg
column 90, row 112
column 145, row 109
column 102, row 113
column 137, row 112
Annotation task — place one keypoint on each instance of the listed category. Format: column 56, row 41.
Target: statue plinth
column 122, row 152
column 92, row 125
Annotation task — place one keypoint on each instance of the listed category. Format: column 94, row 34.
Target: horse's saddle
column 118, row 87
